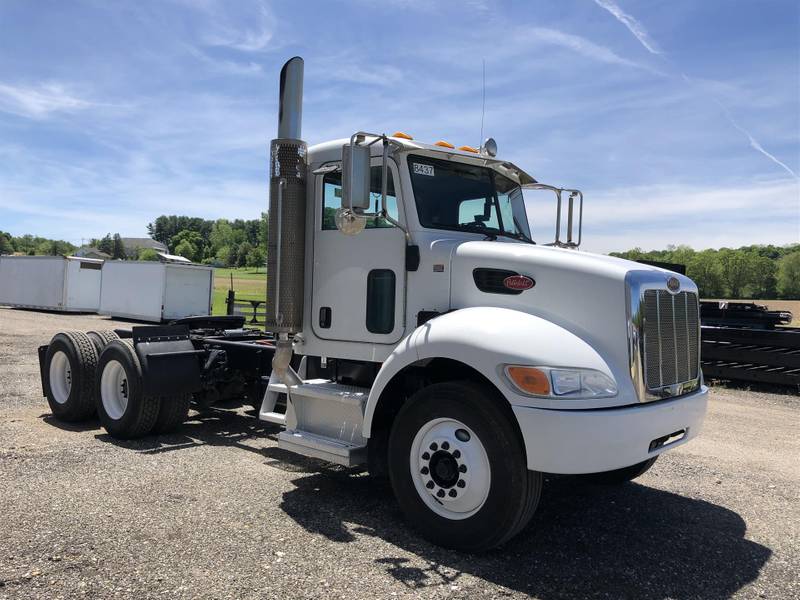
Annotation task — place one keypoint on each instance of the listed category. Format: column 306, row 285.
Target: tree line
column 756, row 271
column 33, row 245
column 734, row 273
column 237, row 243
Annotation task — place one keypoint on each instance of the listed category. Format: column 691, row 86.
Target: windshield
column 457, row 196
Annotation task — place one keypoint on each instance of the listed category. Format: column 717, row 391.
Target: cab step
column 325, row 389
column 322, row 447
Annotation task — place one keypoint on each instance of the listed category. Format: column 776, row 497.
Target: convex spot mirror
column 355, row 177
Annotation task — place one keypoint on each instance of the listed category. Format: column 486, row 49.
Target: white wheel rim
column 450, row 468
column 114, row 389
column 60, row 377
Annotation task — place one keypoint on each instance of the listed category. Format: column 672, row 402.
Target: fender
column 486, row 339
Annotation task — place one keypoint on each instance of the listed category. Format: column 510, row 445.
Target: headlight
column 553, row 382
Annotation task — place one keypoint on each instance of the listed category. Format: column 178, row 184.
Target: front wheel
column 458, row 469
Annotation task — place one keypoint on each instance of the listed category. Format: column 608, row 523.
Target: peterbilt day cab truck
column 415, row 328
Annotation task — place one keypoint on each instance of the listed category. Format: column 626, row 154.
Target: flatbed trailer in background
column 744, row 341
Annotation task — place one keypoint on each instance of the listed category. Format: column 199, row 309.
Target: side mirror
column 355, row 176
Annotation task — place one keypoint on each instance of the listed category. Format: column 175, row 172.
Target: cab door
column 358, row 284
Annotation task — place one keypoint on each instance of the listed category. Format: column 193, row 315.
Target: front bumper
column 591, row 441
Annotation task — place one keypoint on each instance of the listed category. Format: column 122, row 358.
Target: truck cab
column 416, row 328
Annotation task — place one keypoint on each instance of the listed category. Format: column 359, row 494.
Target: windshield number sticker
column 423, row 170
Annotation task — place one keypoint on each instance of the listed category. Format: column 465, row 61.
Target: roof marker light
column 444, row 144
column 468, row 149
column 401, row 135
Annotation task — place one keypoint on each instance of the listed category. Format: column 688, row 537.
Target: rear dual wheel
column 70, row 367
column 125, row 410
column 458, row 467
column 101, row 339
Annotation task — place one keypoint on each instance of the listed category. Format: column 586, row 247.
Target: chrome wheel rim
column 450, row 468
column 114, row 389
column 60, row 377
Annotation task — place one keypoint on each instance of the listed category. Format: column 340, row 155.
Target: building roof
column 130, row 242
column 164, row 257
column 86, row 250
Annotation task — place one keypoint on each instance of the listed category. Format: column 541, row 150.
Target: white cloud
column 632, row 24
column 39, row 101
column 700, row 216
column 580, row 45
column 250, row 33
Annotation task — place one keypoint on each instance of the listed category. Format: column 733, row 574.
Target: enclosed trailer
column 69, row 284
column 155, row 291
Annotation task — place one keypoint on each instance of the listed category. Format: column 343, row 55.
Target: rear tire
column 101, row 339
column 458, row 468
column 620, row 476
column 124, row 409
column 70, row 365
column 172, row 413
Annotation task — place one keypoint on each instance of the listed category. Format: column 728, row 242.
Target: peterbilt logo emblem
column 518, row 282
column 673, row 285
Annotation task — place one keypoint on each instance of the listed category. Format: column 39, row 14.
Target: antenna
column 483, row 104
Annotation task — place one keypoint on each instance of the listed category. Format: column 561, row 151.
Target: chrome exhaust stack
column 287, row 208
column 287, row 223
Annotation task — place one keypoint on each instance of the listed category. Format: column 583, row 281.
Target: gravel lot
column 217, row 511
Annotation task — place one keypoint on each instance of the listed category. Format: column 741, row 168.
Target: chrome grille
column 670, row 341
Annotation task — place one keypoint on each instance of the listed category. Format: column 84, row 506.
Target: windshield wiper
column 517, row 236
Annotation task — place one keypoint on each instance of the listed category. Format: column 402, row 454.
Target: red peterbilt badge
column 518, row 282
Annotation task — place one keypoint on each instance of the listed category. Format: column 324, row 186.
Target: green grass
column 248, row 283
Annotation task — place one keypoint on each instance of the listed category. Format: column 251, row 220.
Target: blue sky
column 680, row 120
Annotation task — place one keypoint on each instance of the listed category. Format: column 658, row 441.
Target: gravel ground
column 218, row 511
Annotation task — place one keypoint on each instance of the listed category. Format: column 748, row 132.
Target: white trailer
column 155, row 291
column 417, row 329
column 68, row 284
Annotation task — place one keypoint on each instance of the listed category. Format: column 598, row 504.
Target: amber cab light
column 444, row 144
column 468, row 149
column 530, row 380
column 401, row 135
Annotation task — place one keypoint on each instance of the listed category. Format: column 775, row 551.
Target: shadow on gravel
column 83, row 426
column 630, row 541
column 217, row 426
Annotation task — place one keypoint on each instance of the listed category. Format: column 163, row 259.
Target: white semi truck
column 415, row 328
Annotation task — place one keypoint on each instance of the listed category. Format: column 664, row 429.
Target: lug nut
column 426, row 456
column 445, row 445
column 429, row 485
column 424, row 470
column 456, row 453
column 460, row 483
column 452, row 493
column 440, row 493
column 462, row 468
column 434, row 447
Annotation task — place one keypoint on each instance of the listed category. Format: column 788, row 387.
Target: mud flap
column 43, row 374
column 170, row 362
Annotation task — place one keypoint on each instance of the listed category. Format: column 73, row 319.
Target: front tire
column 458, row 469
column 124, row 409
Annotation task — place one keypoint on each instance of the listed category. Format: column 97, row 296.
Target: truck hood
column 582, row 292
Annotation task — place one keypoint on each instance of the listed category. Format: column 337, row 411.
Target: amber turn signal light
column 530, row 380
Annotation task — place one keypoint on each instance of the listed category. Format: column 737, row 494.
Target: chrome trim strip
column 636, row 283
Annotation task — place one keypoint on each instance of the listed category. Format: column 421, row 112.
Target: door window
column 332, row 198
